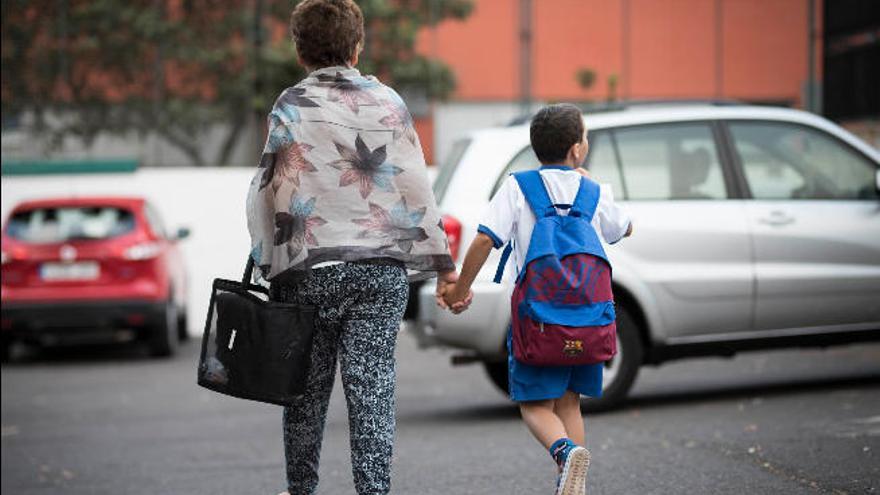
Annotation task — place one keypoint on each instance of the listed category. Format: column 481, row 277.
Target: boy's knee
column 534, row 405
column 568, row 400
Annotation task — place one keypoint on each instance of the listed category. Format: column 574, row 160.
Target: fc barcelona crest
column 573, row 347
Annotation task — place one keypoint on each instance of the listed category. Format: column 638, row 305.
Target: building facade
column 513, row 54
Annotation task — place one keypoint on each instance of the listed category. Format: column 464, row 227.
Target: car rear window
column 67, row 223
column 447, row 170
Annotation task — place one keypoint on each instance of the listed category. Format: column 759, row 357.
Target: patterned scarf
column 342, row 178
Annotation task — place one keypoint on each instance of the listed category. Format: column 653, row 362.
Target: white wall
column 210, row 201
column 150, row 149
column 454, row 120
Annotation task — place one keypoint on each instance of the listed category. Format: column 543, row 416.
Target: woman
column 338, row 212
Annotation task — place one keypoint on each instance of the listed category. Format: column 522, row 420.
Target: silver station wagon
column 754, row 228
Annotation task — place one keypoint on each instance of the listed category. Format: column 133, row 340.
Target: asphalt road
column 112, row 421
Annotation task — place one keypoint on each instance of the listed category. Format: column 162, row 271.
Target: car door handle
column 777, row 218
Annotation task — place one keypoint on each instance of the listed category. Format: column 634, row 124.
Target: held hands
column 449, row 295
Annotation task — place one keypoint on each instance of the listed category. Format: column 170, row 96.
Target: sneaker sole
column 574, row 474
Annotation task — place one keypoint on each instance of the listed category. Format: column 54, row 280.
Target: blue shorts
column 528, row 383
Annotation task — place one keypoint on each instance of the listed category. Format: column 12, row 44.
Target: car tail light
column 15, row 254
column 453, row 233
column 142, row 251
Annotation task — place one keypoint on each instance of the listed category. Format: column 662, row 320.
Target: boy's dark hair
column 554, row 129
column 326, row 32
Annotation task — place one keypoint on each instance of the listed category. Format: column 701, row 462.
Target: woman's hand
column 445, row 293
column 444, row 281
column 457, row 301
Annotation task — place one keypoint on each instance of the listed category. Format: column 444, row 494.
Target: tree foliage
column 179, row 68
column 585, row 77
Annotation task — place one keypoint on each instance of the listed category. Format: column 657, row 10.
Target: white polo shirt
column 509, row 216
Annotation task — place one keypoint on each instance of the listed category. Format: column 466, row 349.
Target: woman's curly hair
column 326, row 32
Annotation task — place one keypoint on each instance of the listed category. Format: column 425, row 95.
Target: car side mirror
column 182, row 233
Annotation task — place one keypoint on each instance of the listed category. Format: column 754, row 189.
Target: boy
column 548, row 397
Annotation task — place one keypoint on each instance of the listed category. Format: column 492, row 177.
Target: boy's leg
column 540, row 416
column 568, row 409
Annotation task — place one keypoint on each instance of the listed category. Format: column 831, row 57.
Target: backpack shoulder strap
column 532, row 187
column 587, row 199
column 505, row 255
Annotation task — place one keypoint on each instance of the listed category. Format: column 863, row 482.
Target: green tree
column 391, row 30
column 612, row 87
column 82, row 67
column 585, row 77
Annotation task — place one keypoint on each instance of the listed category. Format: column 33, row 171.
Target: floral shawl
column 342, row 178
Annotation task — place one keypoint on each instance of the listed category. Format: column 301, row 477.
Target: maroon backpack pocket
column 554, row 334
column 545, row 344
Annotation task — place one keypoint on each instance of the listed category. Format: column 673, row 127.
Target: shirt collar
column 343, row 70
column 556, row 167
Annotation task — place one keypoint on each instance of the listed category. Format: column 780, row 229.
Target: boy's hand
column 459, row 290
column 457, row 301
column 583, row 171
column 444, row 293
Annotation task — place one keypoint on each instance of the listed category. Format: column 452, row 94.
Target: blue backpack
column 562, row 307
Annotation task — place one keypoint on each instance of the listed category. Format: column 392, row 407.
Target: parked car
column 755, row 228
column 87, row 269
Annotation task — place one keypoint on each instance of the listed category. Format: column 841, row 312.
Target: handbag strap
column 248, row 272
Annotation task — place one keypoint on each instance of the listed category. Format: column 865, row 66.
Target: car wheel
column 497, row 371
column 165, row 336
column 182, row 326
column 620, row 372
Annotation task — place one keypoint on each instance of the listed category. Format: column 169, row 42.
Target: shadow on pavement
column 89, row 354
column 507, row 411
column 768, row 389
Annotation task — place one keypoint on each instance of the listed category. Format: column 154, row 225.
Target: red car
column 96, row 268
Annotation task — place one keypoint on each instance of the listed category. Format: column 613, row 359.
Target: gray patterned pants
column 360, row 309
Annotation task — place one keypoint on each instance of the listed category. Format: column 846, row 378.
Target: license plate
column 84, row 270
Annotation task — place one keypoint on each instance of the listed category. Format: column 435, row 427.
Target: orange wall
column 425, row 129
column 672, row 47
column 570, row 35
column 658, row 48
column 483, row 50
column 765, row 48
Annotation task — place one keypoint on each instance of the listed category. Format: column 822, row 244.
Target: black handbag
column 255, row 348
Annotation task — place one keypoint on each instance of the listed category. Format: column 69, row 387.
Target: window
column 155, row 221
column 670, row 161
column 52, row 225
column 447, row 170
column 524, row 160
column 788, row 161
column 603, row 165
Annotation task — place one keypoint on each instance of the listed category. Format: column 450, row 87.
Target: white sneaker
column 573, row 480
